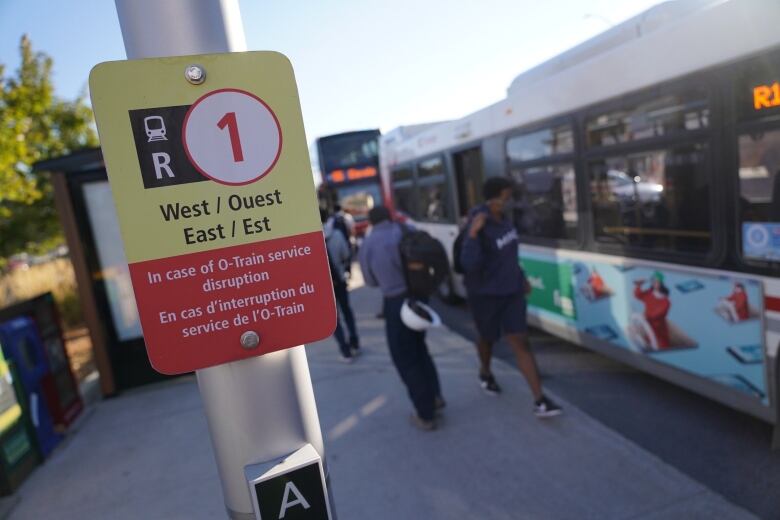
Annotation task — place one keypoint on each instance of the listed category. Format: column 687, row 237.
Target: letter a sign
column 295, row 495
column 300, row 500
column 216, row 203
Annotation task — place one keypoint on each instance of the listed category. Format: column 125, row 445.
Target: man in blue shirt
column 496, row 287
column 339, row 258
column 380, row 261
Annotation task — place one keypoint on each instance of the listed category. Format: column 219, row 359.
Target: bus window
column 357, row 200
column 434, row 202
column 543, row 143
column 654, row 200
column 403, row 192
column 546, row 201
column 759, row 194
column 686, row 111
column 468, row 175
column 430, row 168
column 432, row 191
column 546, row 194
column 341, row 152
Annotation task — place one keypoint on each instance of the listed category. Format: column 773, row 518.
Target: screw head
column 250, row 339
column 195, row 74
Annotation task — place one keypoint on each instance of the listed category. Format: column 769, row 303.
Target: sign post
column 208, row 164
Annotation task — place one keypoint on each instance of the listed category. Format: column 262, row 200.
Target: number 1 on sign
column 229, row 120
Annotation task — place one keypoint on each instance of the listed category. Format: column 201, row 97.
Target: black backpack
column 457, row 247
column 334, row 276
column 424, row 262
column 339, row 224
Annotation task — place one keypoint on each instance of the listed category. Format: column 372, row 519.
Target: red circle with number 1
column 232, row 136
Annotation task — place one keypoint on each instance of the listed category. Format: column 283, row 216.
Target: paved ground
column 146, row 454
column 725, row 450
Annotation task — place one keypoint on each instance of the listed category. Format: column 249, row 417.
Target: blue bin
column 22, row 344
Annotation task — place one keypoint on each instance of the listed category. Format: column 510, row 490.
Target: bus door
column 468, row 177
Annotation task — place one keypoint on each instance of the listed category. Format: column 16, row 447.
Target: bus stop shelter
column 88, row 217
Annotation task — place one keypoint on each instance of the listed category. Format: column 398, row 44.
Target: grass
column 55, row 276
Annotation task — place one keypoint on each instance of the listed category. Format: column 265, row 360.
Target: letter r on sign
column 761, row 95
column 162, row 162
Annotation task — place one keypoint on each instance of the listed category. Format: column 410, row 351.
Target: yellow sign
column 216, row 204
column 163, row 221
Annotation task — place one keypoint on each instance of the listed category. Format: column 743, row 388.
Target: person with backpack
column 382, row 265
column 497, row 289
column 343, row 222
column 339, row 257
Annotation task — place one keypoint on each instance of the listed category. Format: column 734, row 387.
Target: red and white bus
column 647, row 164
column 349, row 165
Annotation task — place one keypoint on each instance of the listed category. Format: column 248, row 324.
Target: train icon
column 155, row 128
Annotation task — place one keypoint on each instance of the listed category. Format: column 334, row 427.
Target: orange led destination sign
column 766, row 96
column 352, row 174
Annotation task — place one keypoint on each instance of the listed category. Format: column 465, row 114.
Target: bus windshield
column 345, row 151
column 357, row 200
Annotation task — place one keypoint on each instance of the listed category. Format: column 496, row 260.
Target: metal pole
column 263, row 408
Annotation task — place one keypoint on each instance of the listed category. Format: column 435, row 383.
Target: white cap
column 413, row 315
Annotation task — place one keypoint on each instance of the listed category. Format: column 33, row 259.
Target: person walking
column 345, row 224
column 496, row 287
column 380, row 261
column 339, row 257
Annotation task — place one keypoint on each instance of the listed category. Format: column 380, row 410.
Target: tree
column 34, row 125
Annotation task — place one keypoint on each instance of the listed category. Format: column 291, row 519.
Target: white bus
column 647, row 164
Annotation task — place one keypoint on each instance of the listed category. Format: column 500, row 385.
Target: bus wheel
column 446, row 292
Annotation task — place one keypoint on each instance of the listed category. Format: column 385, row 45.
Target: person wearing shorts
column 496, row 315
column 497, row 289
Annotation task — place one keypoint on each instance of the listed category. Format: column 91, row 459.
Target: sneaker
column 422, row 424
column 347, row 359
column 439, row 403
column 489, row 385
column 354, row 347
column 544, row 407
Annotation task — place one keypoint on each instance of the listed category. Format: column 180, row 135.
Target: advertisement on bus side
column 707, row 325
column 552, row 286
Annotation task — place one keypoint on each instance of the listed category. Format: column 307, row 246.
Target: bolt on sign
column 209, row 168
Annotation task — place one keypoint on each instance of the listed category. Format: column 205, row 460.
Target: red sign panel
column 200, row 304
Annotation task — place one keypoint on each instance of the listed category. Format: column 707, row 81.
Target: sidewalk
column 147, row 453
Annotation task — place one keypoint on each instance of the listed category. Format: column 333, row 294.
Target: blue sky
column 359, row 63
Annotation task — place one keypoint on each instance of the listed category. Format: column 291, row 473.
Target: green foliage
column 34, row 126
column 70, row 309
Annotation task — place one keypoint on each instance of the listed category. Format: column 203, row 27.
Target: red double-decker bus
column 349, row 164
